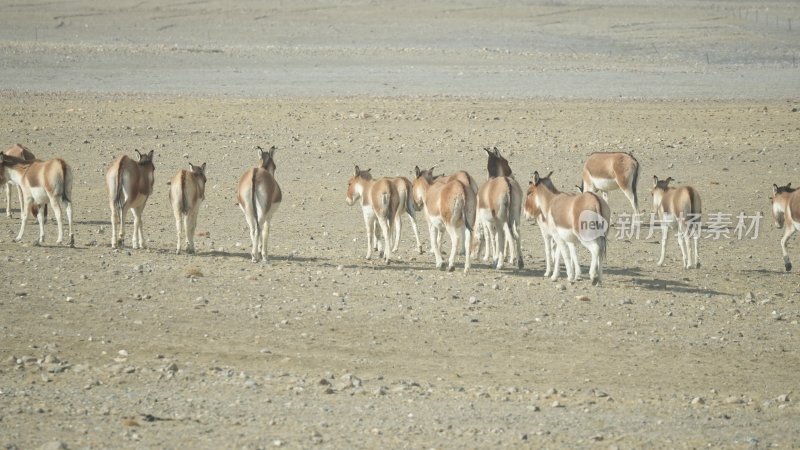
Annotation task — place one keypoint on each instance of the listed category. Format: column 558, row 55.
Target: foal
column 380, row 202
column 187, row 191
column 681, row 206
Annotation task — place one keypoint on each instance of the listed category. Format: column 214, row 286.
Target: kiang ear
column 203, row 168
column 655, row 181
column 667, row 181
column 417, row 172
column 357, row 171
column 536, row 179
column 774, row 189
column 272, row 151
column 488, row 150
column 789, row 185
column 138, row 155
column 260, row 151
column 191, row 166
column 549, row 174
column 497, row 152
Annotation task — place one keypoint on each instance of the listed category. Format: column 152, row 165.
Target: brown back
column 682, row 201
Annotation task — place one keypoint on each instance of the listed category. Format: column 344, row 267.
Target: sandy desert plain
column 321, row 348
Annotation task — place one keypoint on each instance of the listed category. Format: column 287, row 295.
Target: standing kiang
column 786, row 214
column 187, row 191
column 449, row 205
column 258, row 195
column 678, row 207
column 570, row 219
column 22, row 152
column 499, row 206
column 609, row 171
column 381, row 205
column 41, row 182
column 129, row 184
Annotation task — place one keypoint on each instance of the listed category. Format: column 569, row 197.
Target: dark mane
column 497, row 165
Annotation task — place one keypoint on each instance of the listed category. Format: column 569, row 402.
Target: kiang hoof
column 520, row 264
column 788, row 266
column 451, row 268
column 595, row 281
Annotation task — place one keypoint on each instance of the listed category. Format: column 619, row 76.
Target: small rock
column 582, row 298
column 733, row 400
column 698, row 401
column 561, row 287
column 473, row 300
column 783, row 398
column 54, row 445
column 626, row 301
column 556, row 404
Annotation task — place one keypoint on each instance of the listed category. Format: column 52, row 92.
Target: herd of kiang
column 475, row 217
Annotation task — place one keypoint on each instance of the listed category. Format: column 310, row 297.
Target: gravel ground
column 322, row 348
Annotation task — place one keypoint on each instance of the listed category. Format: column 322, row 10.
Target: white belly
column 604, row 184
column 39, row 195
